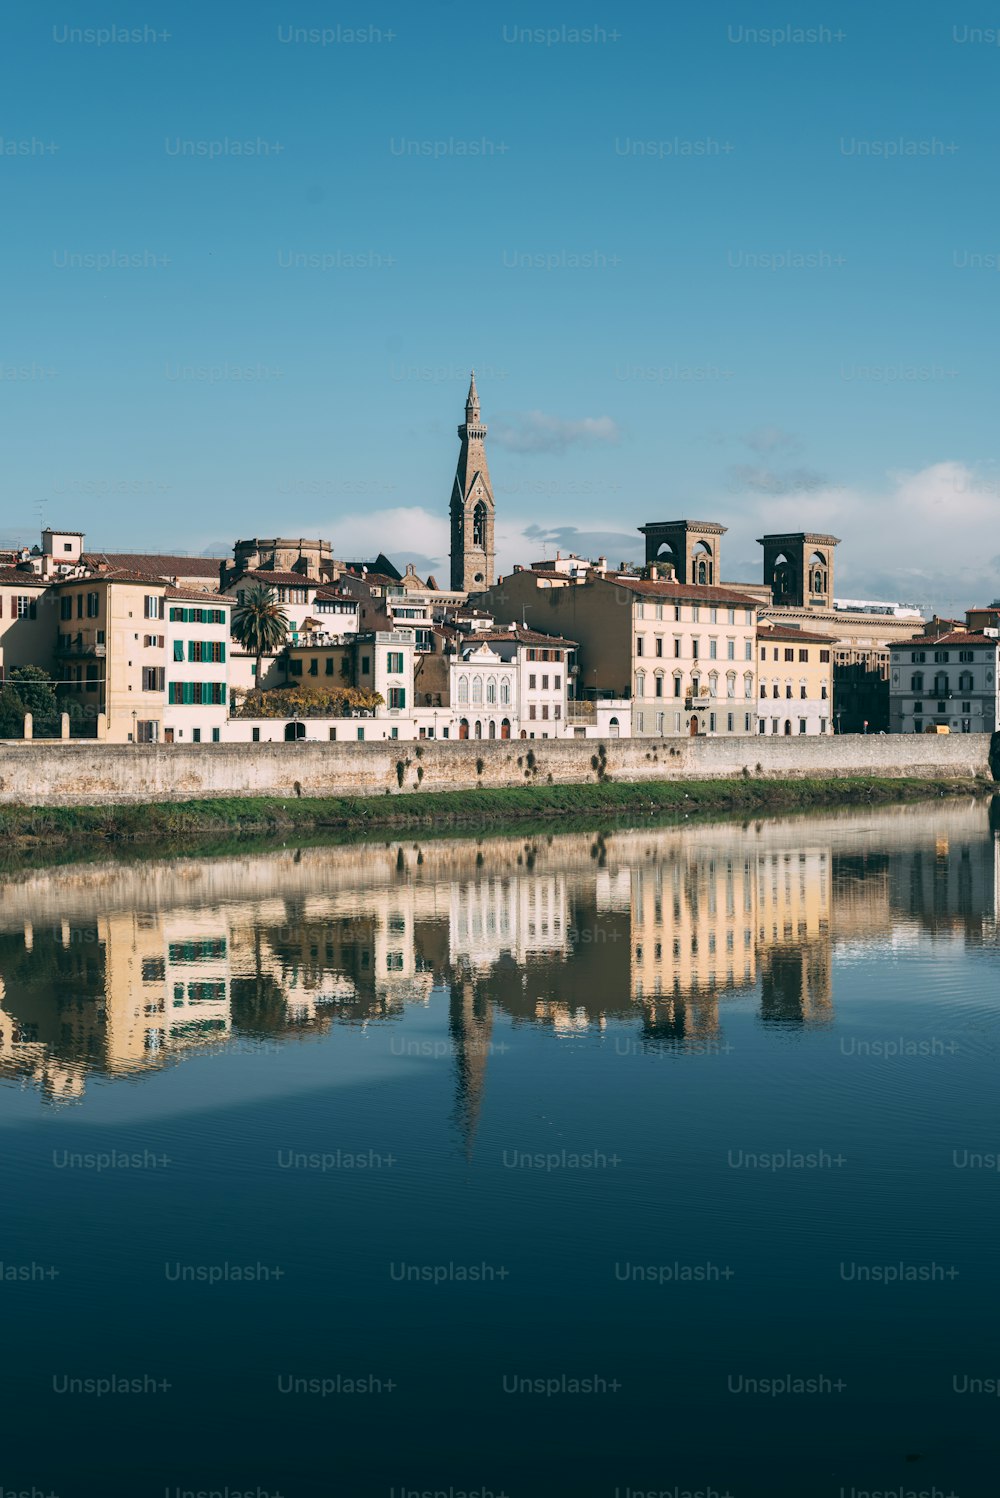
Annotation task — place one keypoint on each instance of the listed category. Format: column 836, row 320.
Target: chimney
column 602, row 564
column 654, row 573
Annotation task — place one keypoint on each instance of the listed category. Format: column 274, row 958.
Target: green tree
column 11, row 714
column 29, row 689
column 260, row 624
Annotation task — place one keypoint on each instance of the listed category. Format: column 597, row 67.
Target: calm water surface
column 654, row 1161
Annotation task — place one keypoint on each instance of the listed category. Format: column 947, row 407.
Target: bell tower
column 472, row 506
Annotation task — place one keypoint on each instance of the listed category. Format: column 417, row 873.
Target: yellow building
column 795, row 680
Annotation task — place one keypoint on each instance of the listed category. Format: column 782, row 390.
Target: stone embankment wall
column 66, row 774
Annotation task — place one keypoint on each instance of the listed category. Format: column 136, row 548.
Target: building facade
column 946, row 681
column 795, row 680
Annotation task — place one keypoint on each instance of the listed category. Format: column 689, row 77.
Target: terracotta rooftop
column 682, row 592
column 14, row 577
column 210, row 600
column 521, row 635
column 789, row 633
column 955, row 637
column 276, row 579
column 153, row 562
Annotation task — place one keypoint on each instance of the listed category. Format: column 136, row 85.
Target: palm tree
column 260, row 625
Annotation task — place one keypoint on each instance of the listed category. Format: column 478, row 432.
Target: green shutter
column 222, row 655
column 178, row 650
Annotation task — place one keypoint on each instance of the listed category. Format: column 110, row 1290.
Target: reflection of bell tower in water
column 470, row 1025
column 472, row 506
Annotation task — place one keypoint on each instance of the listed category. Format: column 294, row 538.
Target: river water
column 598, row 1163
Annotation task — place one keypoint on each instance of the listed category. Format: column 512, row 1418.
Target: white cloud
column 540, row 432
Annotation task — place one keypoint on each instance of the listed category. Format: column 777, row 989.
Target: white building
column 196, row 627
column 948, row 681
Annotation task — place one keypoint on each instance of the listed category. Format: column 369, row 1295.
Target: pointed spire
column 472, row 400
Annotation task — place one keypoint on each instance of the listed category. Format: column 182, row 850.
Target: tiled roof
column 681, row 592
column 277, row 579
column 521, row 635
column 332, row 592
column 787, row 632
column 12, row 577
column 956, row 637
column 152, row 562
column 212, row 600
column 114, row 575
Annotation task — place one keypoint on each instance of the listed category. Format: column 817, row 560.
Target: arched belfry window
column 479, row 525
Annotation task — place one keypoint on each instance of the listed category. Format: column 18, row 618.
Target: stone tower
column 798, row 568
column 472, row 506
column 691, row 547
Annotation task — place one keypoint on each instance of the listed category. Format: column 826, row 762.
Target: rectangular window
column 677, row 686
column 557, row 683
column 153, row 606
column 824, row 656
column 729, row 722
column 147, row 731
column 677, row 649
column 216, row 735
column 295, row 668
column 196, row 735
column 255, row 735
column 533, row 679
column 178, row 650
column 802, row 725
column 394, row 663
column 545, row 711
column 397, row 697
column 803, row 655
column 659, row 644
column 531, row 710
column 694, row 649
column 730, row 650
column 93, row 605
column 545, row 683
column 361, row 733
column 66, row 606
column 557, row 710
column 659, row 687
column 366, row 665
column 789, row 655
column 152, row 678
column 639, row 642
column 26, row 607
column 314, row 667
column 711, row 722
column 329, row 665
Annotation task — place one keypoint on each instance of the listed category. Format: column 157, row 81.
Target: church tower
column 472, row 507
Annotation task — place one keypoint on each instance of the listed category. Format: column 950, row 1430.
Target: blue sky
column 701, row 270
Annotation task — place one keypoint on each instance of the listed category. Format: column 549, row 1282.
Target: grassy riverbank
column 253, row 816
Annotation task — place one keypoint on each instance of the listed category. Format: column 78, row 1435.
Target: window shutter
column 222, row 653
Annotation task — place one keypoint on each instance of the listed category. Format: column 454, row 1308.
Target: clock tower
column 472, row 506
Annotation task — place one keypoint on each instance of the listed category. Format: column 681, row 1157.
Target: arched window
column 479, row 729
column 782, row 578
column 505, row 691
column 463, row 689
column 477, row 689
column 479, row 525
column 702, row 559
column 493, row 728
column 640, row 683
column 491, row 690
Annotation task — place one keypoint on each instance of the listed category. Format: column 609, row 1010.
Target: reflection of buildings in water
column 793, row 932
column 125, row 967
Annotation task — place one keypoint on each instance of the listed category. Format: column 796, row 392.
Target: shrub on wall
column 307, row 702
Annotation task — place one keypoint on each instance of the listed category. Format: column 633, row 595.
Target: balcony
column 68, row 649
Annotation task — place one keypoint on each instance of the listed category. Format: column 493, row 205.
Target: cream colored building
column 26, row 621
column 795, row 680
